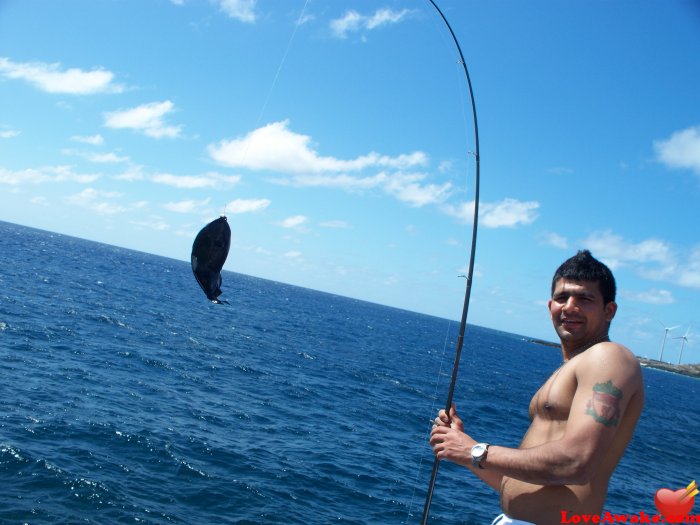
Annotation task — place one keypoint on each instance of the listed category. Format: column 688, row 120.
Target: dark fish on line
column 209, row 252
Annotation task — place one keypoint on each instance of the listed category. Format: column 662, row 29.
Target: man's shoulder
column 610, row 357
column 609, row 350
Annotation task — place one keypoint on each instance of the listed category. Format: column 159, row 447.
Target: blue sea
column 127, row 397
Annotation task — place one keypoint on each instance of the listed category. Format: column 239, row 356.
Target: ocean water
column 126, row 397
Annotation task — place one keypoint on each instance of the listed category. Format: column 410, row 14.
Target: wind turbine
column 663, row 343
column 683, row 342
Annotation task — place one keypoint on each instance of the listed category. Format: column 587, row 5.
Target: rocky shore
column 686, row 370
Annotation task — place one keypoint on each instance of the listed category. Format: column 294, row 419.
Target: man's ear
column 610, row 311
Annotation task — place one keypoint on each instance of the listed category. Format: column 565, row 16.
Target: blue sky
column 336, row 135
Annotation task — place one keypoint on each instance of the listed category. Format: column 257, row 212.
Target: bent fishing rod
column 470, row 272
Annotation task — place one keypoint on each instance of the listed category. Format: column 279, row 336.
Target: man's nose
column 570, row 304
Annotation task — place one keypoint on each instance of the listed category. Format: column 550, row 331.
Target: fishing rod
column 470, row 272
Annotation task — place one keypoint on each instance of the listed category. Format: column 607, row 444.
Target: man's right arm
column 492, row 478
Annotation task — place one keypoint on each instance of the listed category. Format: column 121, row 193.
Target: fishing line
column 432, row 411
column 470, row 271
column 284, row 59
column 274, row 80
column 448, row 45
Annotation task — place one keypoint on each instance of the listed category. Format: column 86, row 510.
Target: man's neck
column 568, row 353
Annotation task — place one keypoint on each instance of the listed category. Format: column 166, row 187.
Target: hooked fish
column 209, row 252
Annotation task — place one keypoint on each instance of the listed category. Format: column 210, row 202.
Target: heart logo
column 674, row 505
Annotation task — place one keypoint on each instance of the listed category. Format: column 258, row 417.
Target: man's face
column 578, row 313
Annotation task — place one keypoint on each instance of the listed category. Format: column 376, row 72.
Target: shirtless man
column 582, row 418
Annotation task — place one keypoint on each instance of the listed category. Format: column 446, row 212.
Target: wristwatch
column 479, row 452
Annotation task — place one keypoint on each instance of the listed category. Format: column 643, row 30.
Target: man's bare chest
column 554, row 398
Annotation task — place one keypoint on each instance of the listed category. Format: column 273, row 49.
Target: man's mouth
column 571, row 323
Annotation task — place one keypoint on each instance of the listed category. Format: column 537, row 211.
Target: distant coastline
column 543, row 342
column 686, row 370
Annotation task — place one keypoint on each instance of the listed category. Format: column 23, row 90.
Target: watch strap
column 479, row 453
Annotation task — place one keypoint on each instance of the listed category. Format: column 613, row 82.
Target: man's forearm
column 491, row 477
column 553, row 463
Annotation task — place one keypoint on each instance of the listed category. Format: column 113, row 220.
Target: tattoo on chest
column 604, row 406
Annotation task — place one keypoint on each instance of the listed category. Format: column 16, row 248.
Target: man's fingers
column 435, row 434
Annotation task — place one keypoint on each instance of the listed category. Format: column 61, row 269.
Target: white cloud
column 97, row 201
column 402, row 186
column 342, row 181
column 187, row 206
column 296, row 222
column 98, row 158
column 689, row 275
column 208, row 180
column 94, row 140
column 155, row 224
column 52, row 79
column 616, row 251
column 134, row 172
column 652, row 259
column 247, row 205
column 146, row 119
column 262, row 251
column 243, row 10
column 407, row 188
column 304, row 18
column 463, row 212
column 507, row 213
column 335, row 224
column 8, row 134
column 554, row 239
column 681, row 150
column 350, row 21
column 445, row 166
column 106, row 158
column 44, row 174
column 353, row 21
column 39, row 201
column 274, row 147
column 652, row 296
column 293, row 254
column 385, row 16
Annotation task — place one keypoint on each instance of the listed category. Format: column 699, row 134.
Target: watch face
column 478, row 450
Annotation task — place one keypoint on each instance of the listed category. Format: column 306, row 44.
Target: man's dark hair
column 584, row 267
